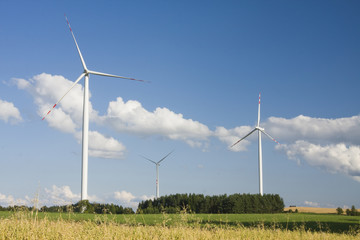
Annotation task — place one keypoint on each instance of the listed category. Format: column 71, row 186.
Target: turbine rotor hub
column 260, row 128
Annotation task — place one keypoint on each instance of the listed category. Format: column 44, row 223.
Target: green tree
column 339, row 211
column 348, row 212
column 84, row 206
column 353, row 211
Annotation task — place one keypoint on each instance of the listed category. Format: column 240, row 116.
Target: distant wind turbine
column 260, row 130
column 157, row 171
column 85, row 129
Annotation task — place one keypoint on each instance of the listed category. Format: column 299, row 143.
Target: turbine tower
column 260, row 130
column 157, row 171
column 85, row 127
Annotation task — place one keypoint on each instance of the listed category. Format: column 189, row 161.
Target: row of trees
column 349, row 212
column 198, row 203
column 80, row 207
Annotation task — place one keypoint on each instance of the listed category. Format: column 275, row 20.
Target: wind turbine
column 157, row 171
column 85, row 127
column 260, row 130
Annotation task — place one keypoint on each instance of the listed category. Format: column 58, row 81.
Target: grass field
column 315, row 223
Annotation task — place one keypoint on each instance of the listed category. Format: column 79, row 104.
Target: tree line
column 198, row 203
column 349, row 212
column 80, row 207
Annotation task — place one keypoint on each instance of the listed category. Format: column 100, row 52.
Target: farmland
column 311, row 210
column 183, row 226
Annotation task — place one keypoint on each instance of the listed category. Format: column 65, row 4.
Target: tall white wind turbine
column 260, row 130
column 157, row 171
column 85, row 128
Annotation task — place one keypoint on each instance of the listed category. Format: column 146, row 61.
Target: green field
column 308, row 222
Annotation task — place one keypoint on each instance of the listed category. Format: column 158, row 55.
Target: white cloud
column 330, row 144
column 121, row 116
column 312, row 204
column 131, row 117
column 302, row 137
column 46, row 90
column 61, row 121
column 145, row 197
column 63, row 195
column 124, row 196
column 316, row 130
column 127, row 199
column 9, row 113
column 105, row 147
column 230, row 136
column 94, row 198
column 9, row 200
column 335, row 158
column 59, row 196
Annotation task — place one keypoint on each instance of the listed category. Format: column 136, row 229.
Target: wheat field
column 312, row 210
column 28, row 226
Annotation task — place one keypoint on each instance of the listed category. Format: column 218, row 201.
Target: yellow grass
column 21, row 226
column 311, row 209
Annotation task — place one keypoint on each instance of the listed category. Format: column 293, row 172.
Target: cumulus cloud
column 334, row 158
column 133, row 118
column 312, row 204
column 127, row 199
column 230, row 136
column 105, row 147
column 329, row 144
column 46, row 90
column 319, row 130
column 60, row 196
column 9, row 200
column 129, row 117
column 123, row 196
column 63, row 195
column 9, row 113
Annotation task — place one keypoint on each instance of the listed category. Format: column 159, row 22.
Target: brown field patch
column 311, row 210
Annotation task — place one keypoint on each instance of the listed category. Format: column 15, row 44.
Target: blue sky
column 207, row 62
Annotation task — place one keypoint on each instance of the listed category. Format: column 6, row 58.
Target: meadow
column 37, row 225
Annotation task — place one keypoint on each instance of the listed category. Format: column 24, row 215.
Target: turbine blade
column 244, row 137
column 148, row 159
column 77, row 46
column 116, row 76
column 77, row 80
column 269, row 136
column 258, row 122
column 165, row 157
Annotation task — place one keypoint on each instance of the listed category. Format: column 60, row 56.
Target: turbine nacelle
column 260, row 129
